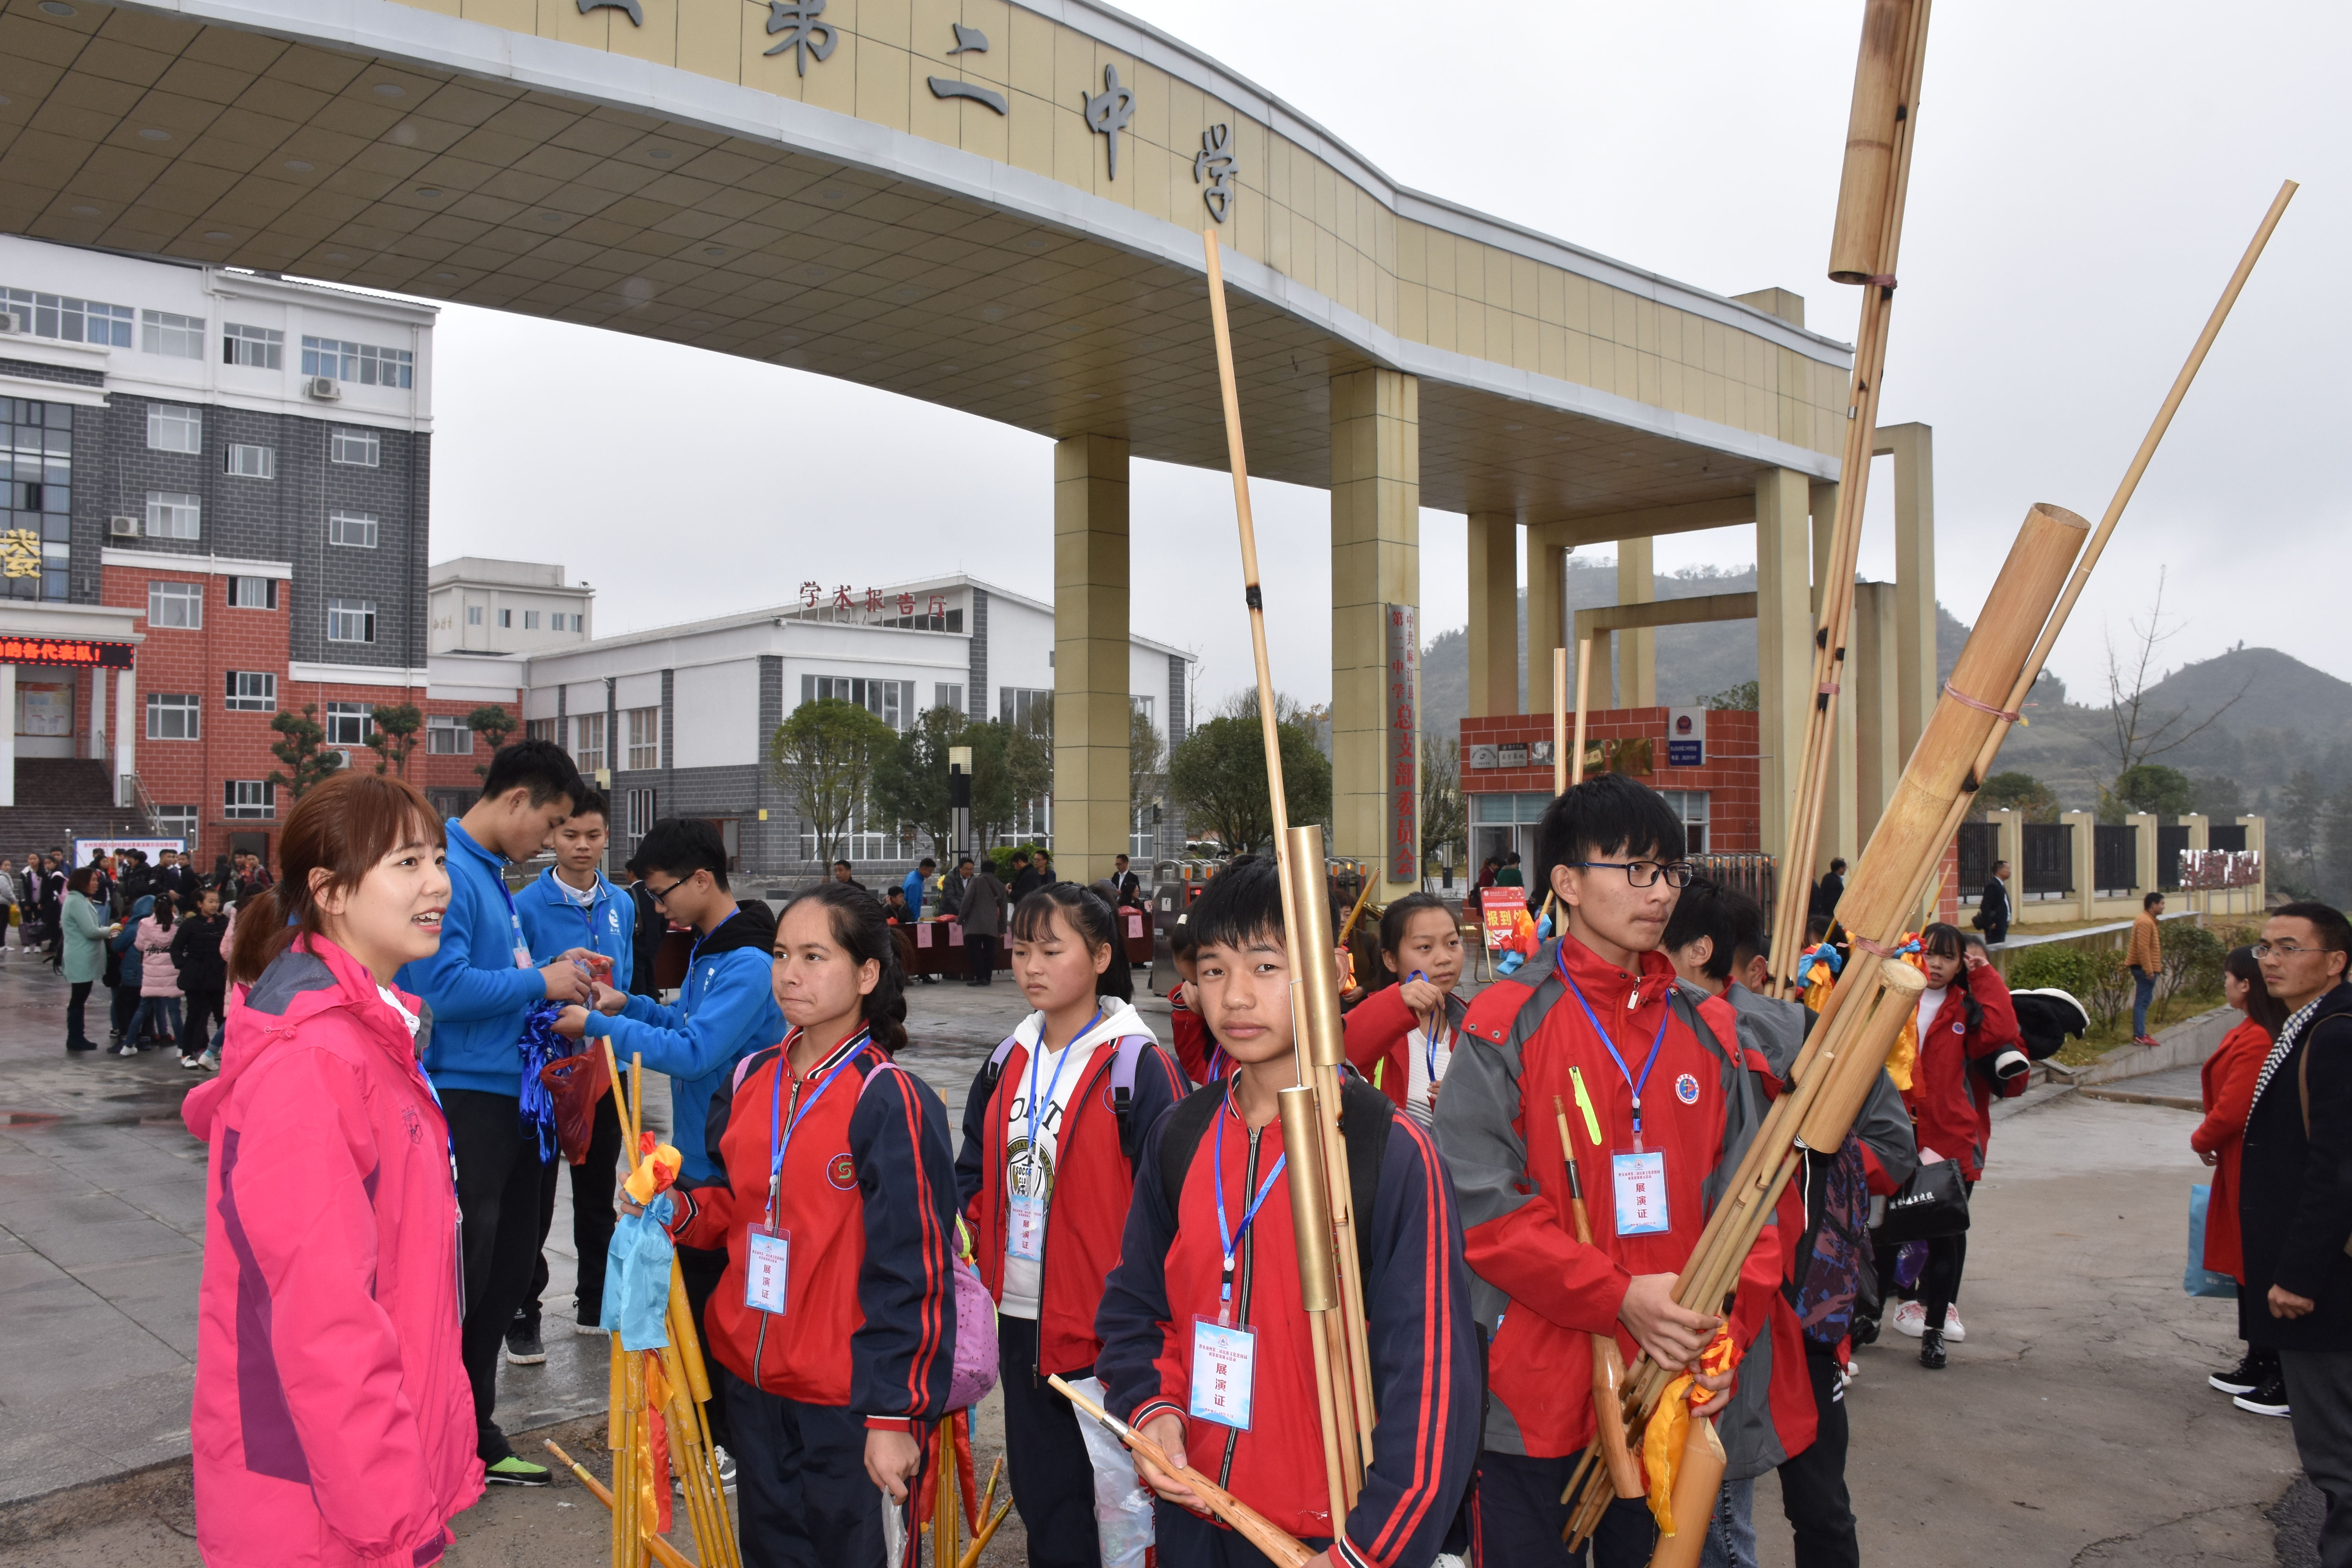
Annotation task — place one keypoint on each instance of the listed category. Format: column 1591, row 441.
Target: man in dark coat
column 984, row 923
column 1828, row 890
column 2294, row 1205
column 1992, row 907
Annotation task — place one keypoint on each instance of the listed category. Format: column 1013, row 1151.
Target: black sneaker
column 1865, row 1330
column 2243, row 1378
column 523, row 1348
column 1931, row 1349
column 2270, row 1399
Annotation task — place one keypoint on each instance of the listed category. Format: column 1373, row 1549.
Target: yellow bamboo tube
column 1583, row 687
column 613, row 1406
column 1560, row 779
column 1319, row 1291
column 1867, row 183
column 971, row 1558
column 946, row 1532
column 682, row 1333
column 1699, row 1477
column 668, row 1556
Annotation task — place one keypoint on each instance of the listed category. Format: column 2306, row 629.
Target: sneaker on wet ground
column 515, row 1471
column 1910, row 1317
column 2243, row 1378
column 2269, row 1399
column 523, row 1348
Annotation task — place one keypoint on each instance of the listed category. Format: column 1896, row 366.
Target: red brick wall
column 1729, row 778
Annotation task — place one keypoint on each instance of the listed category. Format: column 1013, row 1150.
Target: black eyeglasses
column 1642, row 873
column 662, row 895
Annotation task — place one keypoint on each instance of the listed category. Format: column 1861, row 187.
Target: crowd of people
column 385, row 1161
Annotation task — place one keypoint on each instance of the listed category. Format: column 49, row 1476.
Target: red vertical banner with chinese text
column 1402, row 762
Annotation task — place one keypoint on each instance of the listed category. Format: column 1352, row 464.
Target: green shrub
column 2192, row 961
column 2057, row 964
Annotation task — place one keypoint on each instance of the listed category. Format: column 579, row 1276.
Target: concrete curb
column 2183, row 1045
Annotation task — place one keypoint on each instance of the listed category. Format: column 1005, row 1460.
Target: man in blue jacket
column 725, row 1011
column 568, row 911
column 481, row 986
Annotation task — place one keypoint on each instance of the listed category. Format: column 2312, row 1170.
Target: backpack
column 1364, row 1116
column 1123, row 1063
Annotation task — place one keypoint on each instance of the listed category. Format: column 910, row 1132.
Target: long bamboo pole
column 663, row 1552
column 1559, row 774
column 1317, row 1058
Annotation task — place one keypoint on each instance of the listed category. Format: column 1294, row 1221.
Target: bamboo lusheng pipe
column 663, row 1552
column 1608, row 1361
column 1318, row 1291
column 1284, row 1548
column 1306, row 962
column 1699, row 1477
column 1868, row 238
column 1560, row 780
column 1584, row 682
column 987, row 1531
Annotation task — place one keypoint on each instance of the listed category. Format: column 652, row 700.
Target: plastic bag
column 1122, row 1502
column 636, row 1279
column 576, row 1083
column 2198, row 1280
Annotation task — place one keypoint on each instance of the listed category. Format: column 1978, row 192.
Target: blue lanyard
column 1231, row 1237
column 1052, row 1084
column 695, row 951
column 1428, row 1040
column 779, row 1137
column 1631, row 1083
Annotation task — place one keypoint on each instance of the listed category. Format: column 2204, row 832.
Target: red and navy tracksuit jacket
column 1424, row 1352
column 868, row 1194
column 1380, row 1028
column 1495, row 1124
column 1095, row 1150
column 1197, row 1051
column 1951, row 1093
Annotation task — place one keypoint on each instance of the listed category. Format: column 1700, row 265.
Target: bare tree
column 2141, row 732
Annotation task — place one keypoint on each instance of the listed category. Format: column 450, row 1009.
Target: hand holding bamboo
column 1608, row 1360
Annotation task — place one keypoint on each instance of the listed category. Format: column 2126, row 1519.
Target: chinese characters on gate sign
column 803, row 34
column 1214, row 163
column 1109, row 111
column 1401, row 712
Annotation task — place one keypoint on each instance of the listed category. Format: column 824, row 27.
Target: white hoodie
column 1053, row 1076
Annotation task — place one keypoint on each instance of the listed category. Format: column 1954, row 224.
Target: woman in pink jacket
column 159, row 978
column 332, row 1424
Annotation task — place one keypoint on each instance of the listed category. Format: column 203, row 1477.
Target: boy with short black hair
column 481, row 984
column 1185, row 1307
column 1595, row 1020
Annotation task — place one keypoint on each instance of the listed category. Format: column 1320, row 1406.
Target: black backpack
column 1364, row 1116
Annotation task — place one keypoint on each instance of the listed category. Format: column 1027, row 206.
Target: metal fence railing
column 2048, row 848
column 2115, row 858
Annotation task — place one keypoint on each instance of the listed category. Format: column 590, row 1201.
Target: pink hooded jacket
column 157, row 974
column 332, row 1423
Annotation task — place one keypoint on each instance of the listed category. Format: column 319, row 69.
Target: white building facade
column 476, row 605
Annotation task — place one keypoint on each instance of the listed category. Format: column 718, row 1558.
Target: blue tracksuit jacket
column 554, row 923
column 479, row 996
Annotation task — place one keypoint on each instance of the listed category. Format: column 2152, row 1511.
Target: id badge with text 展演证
column 1640, row 1183
column 766, row 1268
column 1024, row 1226
column 1224, row 1373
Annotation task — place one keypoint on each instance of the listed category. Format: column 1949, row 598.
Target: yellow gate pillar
column 1913, row 448
column 1495, row 614
column 1637, row 650
column 1090, row 656
column 1375, row 563
column 1784, row 648
column 1870, row 693
column 1548, row 624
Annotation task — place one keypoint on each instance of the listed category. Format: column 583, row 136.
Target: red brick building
column 1507, row 776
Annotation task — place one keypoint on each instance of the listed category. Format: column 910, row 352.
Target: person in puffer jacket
column 332, row 1423
column 159, row 979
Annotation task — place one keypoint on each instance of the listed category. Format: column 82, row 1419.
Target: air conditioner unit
column 10, row 326
column 122, row 528
column 325, row 388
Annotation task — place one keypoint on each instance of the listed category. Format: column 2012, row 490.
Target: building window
column 945, row 694
column 37, row 495
column 506, row 617
column 356, row 529
column 588, row 752
column 637, row 811
column 173, row 514
column 162, row 332
column 172, row 427
column 180, row 606
column 252, row 462
column 892, row 701
column 1690, row 804
column 530, row 620
column 347, row 724
column 177, row 822
column 1017, row 704
column 473, row 614
column 258, row 347
column 361, row 448
column 173, row 716
column 362, row 362
column 250, row 691
column 249, row 798
column 644, row 726
column 539, row 729
column 1141, row 705
column 350, row 620
column 70, row 319
column 445, row 735
column 253, row 593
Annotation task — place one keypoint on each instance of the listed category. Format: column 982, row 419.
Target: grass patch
column 2102, row 1038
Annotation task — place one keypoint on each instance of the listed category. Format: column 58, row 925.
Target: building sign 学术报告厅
column 70, row 651
column 1404, row 748
column 872, row 606
column 1685, row 737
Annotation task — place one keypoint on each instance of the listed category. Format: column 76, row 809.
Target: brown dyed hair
column 345, row 826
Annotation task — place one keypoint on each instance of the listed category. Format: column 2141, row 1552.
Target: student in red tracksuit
column 834, row 1322
column 1052, row 1131
column 1197, row 1051
column 1400, row 1037
column 1185, row 1302
column 1969, row 1051
column 1675, row 1104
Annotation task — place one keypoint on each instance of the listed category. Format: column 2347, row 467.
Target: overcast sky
column 2087, row 176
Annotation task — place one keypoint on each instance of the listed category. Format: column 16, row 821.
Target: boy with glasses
column 1661, row 1107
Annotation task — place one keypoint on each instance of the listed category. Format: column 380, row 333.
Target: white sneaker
column 596, row 1329
column 1847, row 1374
column 1911, row 1319
column 126, row 1050
column 726, row 1465
column 1953, row 1333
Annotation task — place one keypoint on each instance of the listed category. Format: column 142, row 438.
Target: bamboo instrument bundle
column 1608, row 1363
column 1866, row 241
column 1278, row 1545
column 1867, row 1010
column 1343, row 1363
column 663, row 1553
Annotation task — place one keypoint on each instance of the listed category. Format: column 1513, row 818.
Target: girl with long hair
column 332, row 1422
column 833, row 1324
column 1400, row 1037
column 1053, row 1131
column 2231, row 1073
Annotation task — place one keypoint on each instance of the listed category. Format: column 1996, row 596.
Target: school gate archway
column 991, row 205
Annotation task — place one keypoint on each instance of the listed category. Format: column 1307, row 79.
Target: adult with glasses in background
column 2294, row 1205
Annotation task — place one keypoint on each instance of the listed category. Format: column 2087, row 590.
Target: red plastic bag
column 576, row 1083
